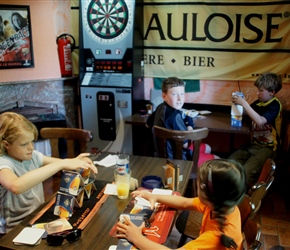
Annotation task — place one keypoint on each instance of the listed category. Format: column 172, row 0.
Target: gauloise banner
column 220, row 40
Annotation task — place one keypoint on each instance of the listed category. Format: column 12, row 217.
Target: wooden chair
column 267, row 171
column 74, row 141
column 188, row 223
column 252, row 234
column 260, row 189
column 258, row 192
column 64, row 142
column 161, row 135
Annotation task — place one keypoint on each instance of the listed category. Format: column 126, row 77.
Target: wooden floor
column 274, row 215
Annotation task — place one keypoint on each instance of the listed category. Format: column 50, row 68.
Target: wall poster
column 15, row 37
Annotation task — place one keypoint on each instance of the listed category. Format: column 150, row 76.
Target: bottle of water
column 122, row 163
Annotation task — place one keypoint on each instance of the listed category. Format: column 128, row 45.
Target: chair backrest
column 75, row 139
column 161, row 135
column 246, row 208
column 258, row 192
column 252, row 234
column 267, row 171
column 260, row 189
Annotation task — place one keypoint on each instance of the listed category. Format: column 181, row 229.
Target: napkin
column 29, row 236
column 108, row 161
column 204, row 112
column 111, row 189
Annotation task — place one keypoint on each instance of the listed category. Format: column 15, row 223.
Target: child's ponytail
column 219, row 215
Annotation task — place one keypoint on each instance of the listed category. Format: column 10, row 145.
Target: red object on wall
column 65, row 48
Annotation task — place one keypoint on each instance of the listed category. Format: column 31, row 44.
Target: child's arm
column 133, row 234
column 25, row 182
column 188, row 122
column 258, row 119
column 174, row 201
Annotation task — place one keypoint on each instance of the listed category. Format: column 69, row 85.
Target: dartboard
column 108, row 21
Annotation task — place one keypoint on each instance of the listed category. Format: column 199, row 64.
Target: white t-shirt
column 14, row 208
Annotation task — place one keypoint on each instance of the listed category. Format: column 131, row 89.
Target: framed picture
column 15, row 37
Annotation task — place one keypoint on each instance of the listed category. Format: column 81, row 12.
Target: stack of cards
column 74, row 188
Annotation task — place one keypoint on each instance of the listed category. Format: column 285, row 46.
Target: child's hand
column 189, row 128
column 81, row 161
column 146, row 195
column 236, row 99
column 84, row 157
column 129, row 230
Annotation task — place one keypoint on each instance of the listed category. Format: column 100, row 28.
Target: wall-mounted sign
column 15, row 37
column 216, row 40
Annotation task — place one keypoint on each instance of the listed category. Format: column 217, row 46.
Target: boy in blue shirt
column 169, row 115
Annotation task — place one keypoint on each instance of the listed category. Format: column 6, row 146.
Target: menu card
column 160, row 220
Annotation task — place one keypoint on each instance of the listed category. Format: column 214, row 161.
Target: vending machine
column 111, row 78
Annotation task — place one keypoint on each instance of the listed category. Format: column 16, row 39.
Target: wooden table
column 96, row 233
column 218, row 123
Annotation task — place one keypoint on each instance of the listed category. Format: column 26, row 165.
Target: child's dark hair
column 223, row 183
column 171, row 82
column 269, row 81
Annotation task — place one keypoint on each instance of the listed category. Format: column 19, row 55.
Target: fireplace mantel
column 61, row 92
column 64, row 79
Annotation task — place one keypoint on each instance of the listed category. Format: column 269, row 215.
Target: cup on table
column 122, row 180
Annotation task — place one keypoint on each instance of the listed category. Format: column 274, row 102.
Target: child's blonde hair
column 12, row 125
column 222, row 182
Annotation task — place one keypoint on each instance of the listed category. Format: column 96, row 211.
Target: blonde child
column 22, row 169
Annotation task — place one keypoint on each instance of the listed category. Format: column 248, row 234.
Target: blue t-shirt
column 167, row 117
column 269, row 133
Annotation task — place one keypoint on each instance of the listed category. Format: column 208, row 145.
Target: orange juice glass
column 122, row 180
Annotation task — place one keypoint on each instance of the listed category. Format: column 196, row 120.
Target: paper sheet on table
column 111, row 189
column 108, row 161
column 204, row 112
column 143, row 202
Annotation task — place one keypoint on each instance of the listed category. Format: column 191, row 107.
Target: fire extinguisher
column 65, row 49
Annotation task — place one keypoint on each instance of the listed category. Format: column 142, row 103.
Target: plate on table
column 191, row 113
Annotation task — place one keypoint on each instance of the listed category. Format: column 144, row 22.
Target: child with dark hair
column 169, row 115
column 266, row 118
column 221, row 186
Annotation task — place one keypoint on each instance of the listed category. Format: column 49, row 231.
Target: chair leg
column 180, row 225
column 194, row 188
column 182, row 241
